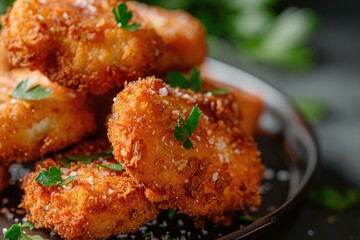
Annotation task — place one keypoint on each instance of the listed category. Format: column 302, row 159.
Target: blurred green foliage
column 313, row 110
column 255, row 28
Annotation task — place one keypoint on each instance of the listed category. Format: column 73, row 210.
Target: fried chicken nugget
column 78, row 43
column 222, row 173
column 31, row 128
column 184, row 36
column 95, row 205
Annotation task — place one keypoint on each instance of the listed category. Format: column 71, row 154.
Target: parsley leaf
column 333, row 199
column 52, row 177
column 219, row 91
column 29, row 225
column 123, row 17
column 116, row 167
column 184, row 131
column 15, row 232
column 24, row 92
column 171, row 213
column 89, row 158
column 313, row 110
column 193, row 82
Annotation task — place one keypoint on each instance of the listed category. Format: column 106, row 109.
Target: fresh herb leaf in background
column 52, row 177
column 255, row 28
column 24, row 92
column 333, row 199
column 123, row 17
column 183, row 131
column 15, row 232
column 312, row 110
column 106, row 154
column 115, row 167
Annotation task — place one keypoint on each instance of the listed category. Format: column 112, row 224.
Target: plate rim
column 211, row 67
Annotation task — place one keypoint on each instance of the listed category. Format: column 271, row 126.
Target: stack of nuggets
column 76, row 49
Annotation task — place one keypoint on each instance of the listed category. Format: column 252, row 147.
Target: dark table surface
column 336, row 81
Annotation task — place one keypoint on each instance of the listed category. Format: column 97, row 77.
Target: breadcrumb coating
column 220, row 175
column 95, row 205
column 79, row 44
column 29, row 129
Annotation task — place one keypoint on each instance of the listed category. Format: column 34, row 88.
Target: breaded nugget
column 4, row 176
column 221, row 174
column 250, row 106
column 31, row 128
column 95, row 205
column 78, row 43
column 184, row 36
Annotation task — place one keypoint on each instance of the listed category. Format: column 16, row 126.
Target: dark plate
column 289, row 152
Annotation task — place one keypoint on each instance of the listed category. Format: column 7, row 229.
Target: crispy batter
column 184, row 36
column 4, row 176
column 221, row 174
column 78, row 43
column 96, row 205
column 250, row 106
column 31, row 128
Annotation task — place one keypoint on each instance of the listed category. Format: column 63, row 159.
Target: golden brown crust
column 96, row 205
column 29, row 129
column 78, row 43
column 221, row 174
column 184, row 36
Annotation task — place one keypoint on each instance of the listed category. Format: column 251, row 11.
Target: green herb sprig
column 333, row 199
column 106, row 154
column 52, row 177
column 183, row 131
column 115, row 167
column 123, row 17
column 15, row 232
column 193, row 81
column 24, row 92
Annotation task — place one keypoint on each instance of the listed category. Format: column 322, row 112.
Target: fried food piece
column 4, row 176
column 220, row 175
column 250, row 106
column 78, row 43
column 184, row 36
column 95, row 205
column 31, row 128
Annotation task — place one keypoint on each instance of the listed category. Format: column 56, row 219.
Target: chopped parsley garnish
column 116, row 167
column 171, row 213
column 246, row 218
column 15, row 232
column 183, row 131
column 52, row 177
column 123, row 17
column 24, row 92
column 193, row 81
column 219, row 91
column 333, row 199
column 87, row 159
